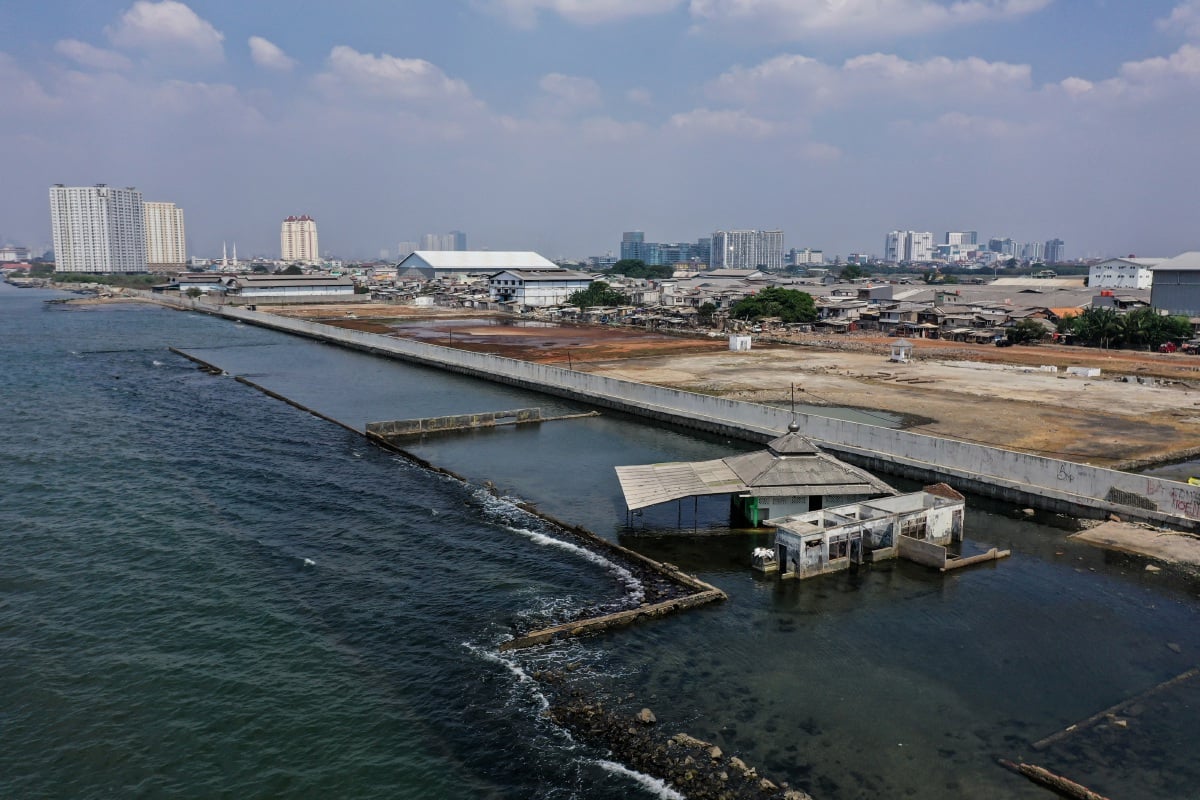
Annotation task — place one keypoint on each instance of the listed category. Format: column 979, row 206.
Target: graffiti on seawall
column 1184, row 500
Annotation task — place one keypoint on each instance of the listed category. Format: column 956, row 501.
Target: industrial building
column 536, row 288
column 461, row 264
column 1176, row 288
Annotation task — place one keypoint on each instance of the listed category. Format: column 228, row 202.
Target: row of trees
column 1142, row 328
column 788, row 305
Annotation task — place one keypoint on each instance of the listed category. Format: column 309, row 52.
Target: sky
column 555, row 125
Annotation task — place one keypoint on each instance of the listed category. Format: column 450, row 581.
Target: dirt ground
column 1171, row 546
column 977, row 393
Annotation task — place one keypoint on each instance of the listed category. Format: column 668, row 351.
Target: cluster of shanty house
column 526, row 283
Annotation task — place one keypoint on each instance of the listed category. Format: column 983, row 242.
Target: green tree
column 598, row 294
column 787, row 304
column 706, row 311
column 1026, row 331
column 1145, row 327
column 636, row 268
column 292, row 269
column 1098, row 326
column 852, row 271
column 193, row 292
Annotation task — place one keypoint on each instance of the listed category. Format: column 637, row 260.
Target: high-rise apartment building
column 962, row 237
column 908, row 246
column 1055, row 252
column 747, row 249
column 98, row 229
column 806, row 257
column 298, row 240
column 166, row 246
column 1005, row 247
column 1031, row 251
column 405, row 249
column 454, row 241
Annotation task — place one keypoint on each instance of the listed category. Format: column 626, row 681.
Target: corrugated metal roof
column 1184, row 261
column 791, row 467
column 478, row 260
column 546, row 274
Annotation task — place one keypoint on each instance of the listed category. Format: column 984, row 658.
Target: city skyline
column 1040, row 119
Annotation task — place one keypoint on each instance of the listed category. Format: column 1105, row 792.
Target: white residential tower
column 98, row 229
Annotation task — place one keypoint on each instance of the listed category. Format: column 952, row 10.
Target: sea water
column 204, row 591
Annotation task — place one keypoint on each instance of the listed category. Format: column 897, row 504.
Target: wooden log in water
column 1111, row 711
column 1044, row 777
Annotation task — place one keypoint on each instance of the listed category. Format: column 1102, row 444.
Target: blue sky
column 554, row 125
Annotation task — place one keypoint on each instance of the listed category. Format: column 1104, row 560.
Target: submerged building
column 791, row 476
column 919, row 526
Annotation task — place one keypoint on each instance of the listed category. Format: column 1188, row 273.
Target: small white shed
column 901, row 351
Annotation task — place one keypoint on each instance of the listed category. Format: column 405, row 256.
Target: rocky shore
column 694, row 768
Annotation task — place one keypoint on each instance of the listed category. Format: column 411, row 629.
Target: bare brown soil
column 978, row 393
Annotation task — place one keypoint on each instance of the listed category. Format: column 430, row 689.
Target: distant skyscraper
column 98, row 229
column 405, row 249
column 747, row 249
column 1055, row 252
column 298, row 240
column 442, row 242
column 166, row 246
column 962, row 237
column 631, row 245
column 908, row 246
column 1005, row 247
column 806, row 257
column 1031, row 251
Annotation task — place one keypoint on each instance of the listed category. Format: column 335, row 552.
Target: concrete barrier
column 1047, row 483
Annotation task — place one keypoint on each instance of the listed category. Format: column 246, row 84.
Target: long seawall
column 1050, row 484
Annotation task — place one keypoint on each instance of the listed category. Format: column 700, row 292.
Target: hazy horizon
column 554, row 125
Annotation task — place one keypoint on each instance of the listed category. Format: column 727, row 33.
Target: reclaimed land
column 975, row 393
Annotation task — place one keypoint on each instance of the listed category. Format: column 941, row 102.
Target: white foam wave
column 508, row 511
column 512, row 666
column 653, row 785
column 636, row 588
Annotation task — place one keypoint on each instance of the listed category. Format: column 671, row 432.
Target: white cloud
column 973, row 126
column 806, row 85
column 639, row 96
column 524, row 13
column 606, row 130
column 386, row 76
column 1076, row 86
column 268, row 55
column 168, row 29
column 87, row 55
column 567, row 94
column 1184, row 18
column 704, row 121
column 803, row 19
column 1183, row 62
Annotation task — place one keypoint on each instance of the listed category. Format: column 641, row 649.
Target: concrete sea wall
column 1050, row 484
